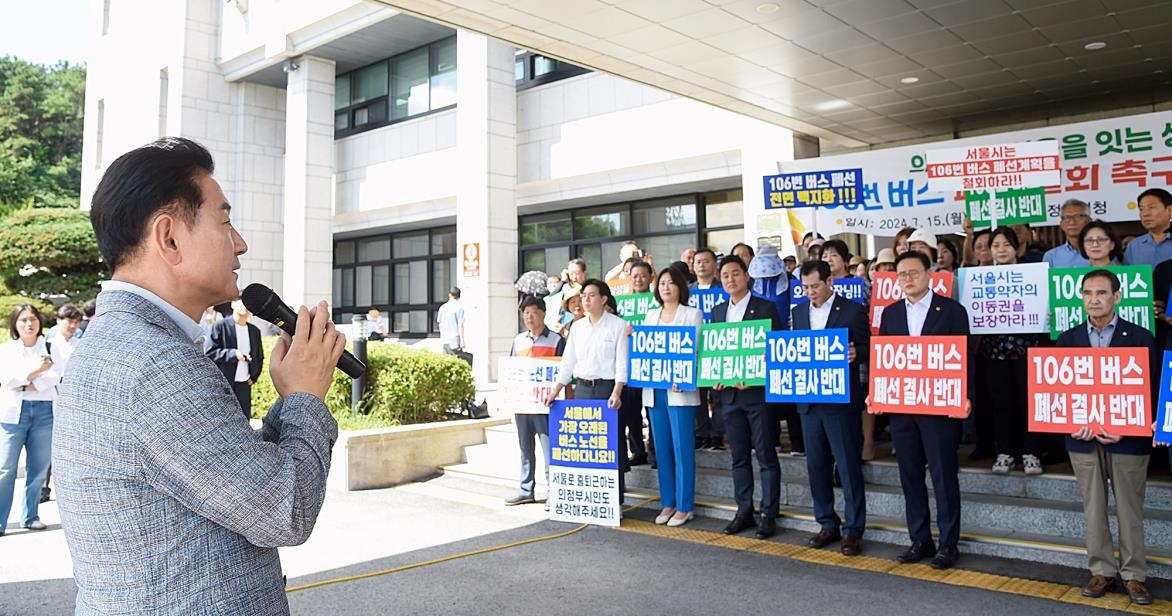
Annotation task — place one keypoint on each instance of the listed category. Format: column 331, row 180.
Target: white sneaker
column 1032, row 465
column 1004, row 464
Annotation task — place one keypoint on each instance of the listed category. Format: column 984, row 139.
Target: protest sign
column 885, row 291
column 1006, row 299
column 919, row 374
column 733, row 353
column 662, row 356
column 1162, row 427
column 1106, row 389
column 1014, row 206
column 634, row 307
column 998, row 166
column 1135, row 286
column 813, row 188
column 808, row 366
column 704, row 299
column 849, row 288
column 523, row 383
column 584, row 462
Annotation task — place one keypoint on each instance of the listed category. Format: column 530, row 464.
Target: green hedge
column 403, row 386
column 59, row 243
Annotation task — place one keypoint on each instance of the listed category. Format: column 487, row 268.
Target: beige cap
column 886, row 255
column 920, row 235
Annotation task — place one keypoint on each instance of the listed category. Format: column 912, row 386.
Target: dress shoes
column 946, row 557
column 824, row 538
column 738, row 524
column 1098, row 586
column 520, row 499
column 1138, row 592
column 852, row 545
column 639, row 460
column 917, row 552
column 766, row 528
column 680, row 518
column 665, row 515
column 36, row 525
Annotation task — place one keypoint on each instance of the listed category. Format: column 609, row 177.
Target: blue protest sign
column 584, row 462
column 1162, row 426
column 704, row 299
column 850, row 288
column 662, row 356
column 840, row 187
column 807, row 366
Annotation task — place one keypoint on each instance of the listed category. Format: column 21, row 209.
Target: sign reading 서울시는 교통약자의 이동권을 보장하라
column 584, row 462
column 1005, row 299
column 1105, row 389
column 808, row 366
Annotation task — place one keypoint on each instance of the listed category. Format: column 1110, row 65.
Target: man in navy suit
column 1097, row 457
column 749, row 422
column 930, row 439
column 241, row 359
column 834, row 432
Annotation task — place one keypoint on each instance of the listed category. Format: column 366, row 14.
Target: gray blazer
column 170, row 502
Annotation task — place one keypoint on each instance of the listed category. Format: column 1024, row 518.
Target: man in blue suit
column 834, row 432
column 1101, row 459
column 927, row 439
column 749, row 422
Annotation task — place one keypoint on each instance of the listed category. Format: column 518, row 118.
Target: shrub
column 50, row 251
column 403, row 386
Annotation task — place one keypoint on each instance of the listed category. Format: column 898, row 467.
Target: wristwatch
column 24, row 387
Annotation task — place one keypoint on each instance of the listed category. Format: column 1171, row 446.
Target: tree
column 50, row 251
column 40, row 134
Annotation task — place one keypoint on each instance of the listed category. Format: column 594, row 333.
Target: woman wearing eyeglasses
column 1098, row 244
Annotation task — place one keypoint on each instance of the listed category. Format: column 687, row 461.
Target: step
column 1050, row 486
column 1001, row 513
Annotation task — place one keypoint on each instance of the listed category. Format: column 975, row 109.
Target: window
column 407, row 85
column 407, row 275
column 724, row 217
column 533, row 69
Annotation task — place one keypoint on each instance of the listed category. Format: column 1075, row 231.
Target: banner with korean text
column 886, row 290
column 1105, row 163
column 1135, row 285
column 925, row 375
column 1106, row 389
column 1013, row 206
column 733, row 353
column 850, row 288
column 634, row 307
column 813, row 188
column 1162, row 426
column 662, row 356
column 807, row 366
column 1006, row 299
column 584, row 464
column 992, row 167
column 523, row 383
column 705, row 299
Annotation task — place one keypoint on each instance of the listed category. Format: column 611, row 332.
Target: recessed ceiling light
column 831, row 105
column 909, row 80
column 768, row 7
column 1095, row 46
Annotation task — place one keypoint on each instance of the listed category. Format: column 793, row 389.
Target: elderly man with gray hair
column 1074, row 215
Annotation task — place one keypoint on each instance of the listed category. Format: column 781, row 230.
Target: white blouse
column 16, row 362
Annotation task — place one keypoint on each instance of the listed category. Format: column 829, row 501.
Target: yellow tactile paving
column 918, row 571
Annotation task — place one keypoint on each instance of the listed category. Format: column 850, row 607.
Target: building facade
column 377, row 159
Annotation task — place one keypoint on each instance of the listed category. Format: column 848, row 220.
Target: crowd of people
column 576, row 319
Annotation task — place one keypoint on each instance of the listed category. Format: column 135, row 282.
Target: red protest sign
column 1105, row 389
column 926, row 375
column 885, row 291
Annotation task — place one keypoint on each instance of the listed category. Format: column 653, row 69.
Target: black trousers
column 1010, row 416
column 600, row 390
column 631, row 422
column 754, row 426
column 931, row 440
column 243, row 391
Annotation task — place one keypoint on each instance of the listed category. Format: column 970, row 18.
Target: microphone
column 264, row 303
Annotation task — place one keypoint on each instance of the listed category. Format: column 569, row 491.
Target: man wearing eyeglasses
column 927, row 439
column 1075, row 215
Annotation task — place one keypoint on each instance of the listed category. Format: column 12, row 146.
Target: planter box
column 385, row 457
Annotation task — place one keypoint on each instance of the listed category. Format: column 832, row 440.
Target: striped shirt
column 546, row 344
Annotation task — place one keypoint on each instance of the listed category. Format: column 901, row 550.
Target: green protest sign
column 732, row 353
column 635, row 306
column 1013, row 206
column 1066, row 311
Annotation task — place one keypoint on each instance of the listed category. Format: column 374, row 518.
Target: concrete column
column 308, row 182
column 486, row 139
